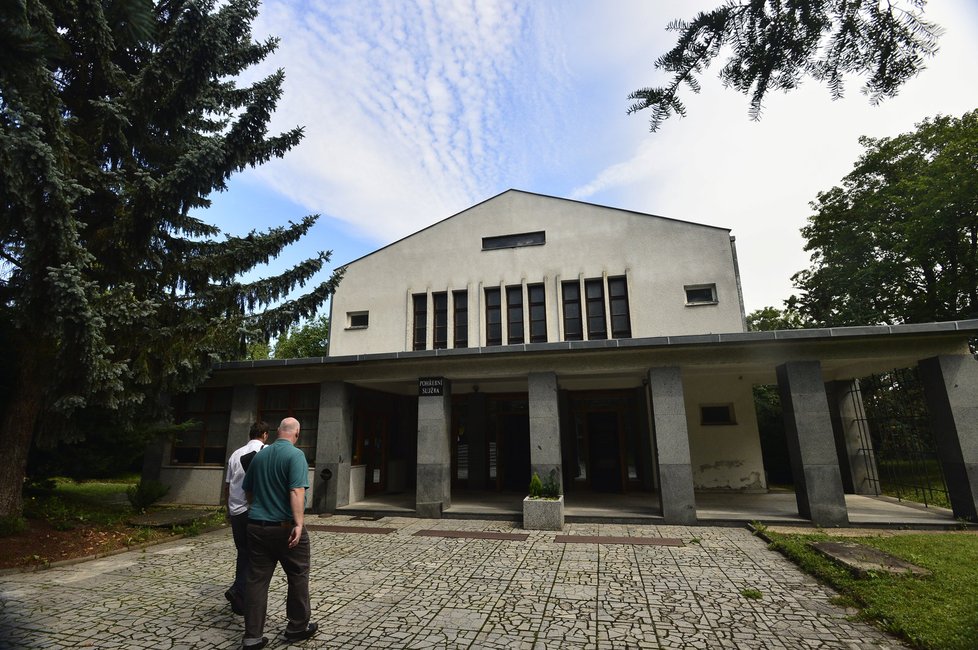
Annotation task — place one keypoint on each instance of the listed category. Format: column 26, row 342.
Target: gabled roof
column 536, row 194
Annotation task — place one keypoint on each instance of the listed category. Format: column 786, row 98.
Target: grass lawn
column 938, row 612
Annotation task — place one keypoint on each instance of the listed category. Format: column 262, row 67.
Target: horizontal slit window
column 538, row 238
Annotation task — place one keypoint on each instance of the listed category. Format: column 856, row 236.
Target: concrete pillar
column 951, row 389
column 853, row 445
column 672, row 446
column 475, row 429
column 243, row 410
column 333, row 447
column 434, row 485
column 544, row 426
column 811, row 445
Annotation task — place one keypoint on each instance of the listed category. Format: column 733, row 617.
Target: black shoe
column 303, row 635
column 237, row 603
column 257, row 646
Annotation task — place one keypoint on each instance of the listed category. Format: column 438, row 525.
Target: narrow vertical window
column 439, row 303
column 514, row 314
column 460, row 305
column 597, row 327
column 621, row 327
column 420, row 321
column 573, row 330
column 494, row 317
column 538, row 313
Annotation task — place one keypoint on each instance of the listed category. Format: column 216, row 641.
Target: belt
column 259, row 522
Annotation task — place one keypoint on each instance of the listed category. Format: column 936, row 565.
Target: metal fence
column 902, row 441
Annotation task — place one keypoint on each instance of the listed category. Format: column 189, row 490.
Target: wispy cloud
column 414, row 110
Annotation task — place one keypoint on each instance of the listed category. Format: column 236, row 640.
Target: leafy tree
column 767, row 400
column 767, row 319
column 117, row 119
column 258, row 350
column 307, row 340
column 897, row 242
column 774, row 44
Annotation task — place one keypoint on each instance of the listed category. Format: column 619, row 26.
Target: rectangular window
column 357, row 319
column 208, row 411
column 460, row 304
column 420, row 321
column 571, row 293
column 440, row 327
column 717, row 415
column 621, row 327
column 301, row 402
column 538, row 313
column 494, row 317
column 514, row 314
column 701, row 294
column 538, row 238
column 597, row 327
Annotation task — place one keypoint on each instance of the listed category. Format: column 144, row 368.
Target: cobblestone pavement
column 399, row 590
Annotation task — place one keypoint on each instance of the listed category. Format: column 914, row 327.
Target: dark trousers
column 268, row 546
column 239, row 530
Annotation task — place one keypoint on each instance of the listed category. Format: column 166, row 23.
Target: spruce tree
column 775, row 44
column 118, row 118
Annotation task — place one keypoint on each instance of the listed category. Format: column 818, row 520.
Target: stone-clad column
column 951, row 388
column 853, row 445
column 434, row 478
column 672, row 446
column 544, row 426
column 811, row 445
column 333, row 447
column 243, row 410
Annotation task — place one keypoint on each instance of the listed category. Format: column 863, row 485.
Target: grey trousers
column 268, row 546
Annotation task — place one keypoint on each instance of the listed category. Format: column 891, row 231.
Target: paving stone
column 402, row 591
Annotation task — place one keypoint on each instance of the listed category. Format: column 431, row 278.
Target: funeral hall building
column 605, row 347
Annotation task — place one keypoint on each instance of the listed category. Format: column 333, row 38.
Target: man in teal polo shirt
column 276, row 484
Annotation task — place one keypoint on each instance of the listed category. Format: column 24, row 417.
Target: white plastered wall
column 724, row 457
column 658, row 256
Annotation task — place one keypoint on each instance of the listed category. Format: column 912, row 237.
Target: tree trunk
column 19, row 423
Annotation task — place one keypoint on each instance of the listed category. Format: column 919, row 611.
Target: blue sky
column 416, row 110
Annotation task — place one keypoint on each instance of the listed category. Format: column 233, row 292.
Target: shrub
column 551, row 487
column 536, row 486
column 145, row 493
column 11, row 525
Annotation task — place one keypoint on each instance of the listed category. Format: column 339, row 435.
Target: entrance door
column 514, row 452
column 371, row 451
column 604, row 450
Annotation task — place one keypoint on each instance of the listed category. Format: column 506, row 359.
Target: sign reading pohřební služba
column 431, row 386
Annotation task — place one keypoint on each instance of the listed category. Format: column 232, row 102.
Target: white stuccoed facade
column 659, row 257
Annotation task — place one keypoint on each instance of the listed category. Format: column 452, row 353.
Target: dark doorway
column 507, row 442
column 514, row 447
column 374, row 425
column 371, row 439
column 604, row 449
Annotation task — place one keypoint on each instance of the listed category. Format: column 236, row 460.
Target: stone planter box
column 543, row 514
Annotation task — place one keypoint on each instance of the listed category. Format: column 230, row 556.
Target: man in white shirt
column 238, row 510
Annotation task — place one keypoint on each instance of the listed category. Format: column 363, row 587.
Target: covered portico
column 673, row 380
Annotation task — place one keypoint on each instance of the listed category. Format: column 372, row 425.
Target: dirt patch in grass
column 41, row 544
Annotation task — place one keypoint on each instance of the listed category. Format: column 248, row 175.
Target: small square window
column 701, row 294
column 717, row 415
column 357, row 320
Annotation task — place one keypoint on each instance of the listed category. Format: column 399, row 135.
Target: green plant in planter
column 549, row 489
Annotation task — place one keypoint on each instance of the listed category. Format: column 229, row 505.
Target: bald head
column 289, row 429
